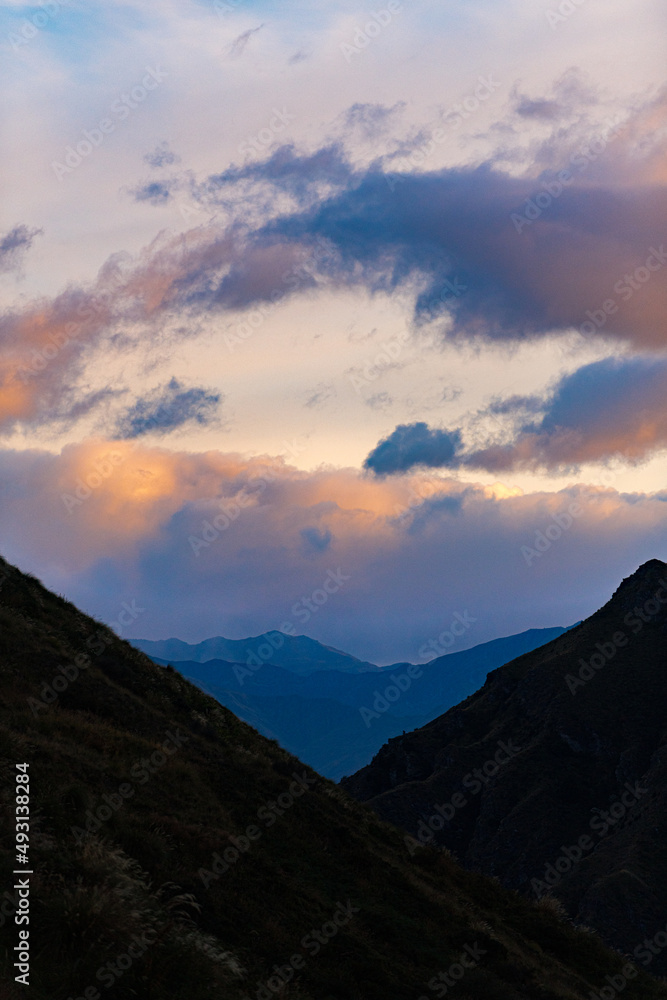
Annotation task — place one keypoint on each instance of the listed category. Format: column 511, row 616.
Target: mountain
column 297, row 653
column 337, row 721
column 173, row 852
column 324, row 732
column 553, row 777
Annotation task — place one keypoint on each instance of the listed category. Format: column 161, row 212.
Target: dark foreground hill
column 337, row 721
column 553, row 777
column 177, row 853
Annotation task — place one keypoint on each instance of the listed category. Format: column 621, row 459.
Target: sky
column 297, row 292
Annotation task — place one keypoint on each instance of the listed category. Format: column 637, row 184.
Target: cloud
column 372, row 120
column 323, row 392
column 610, row 409
column 589, row 256
column 614, row 408
column 238, row 46
column 168, row 408
column 413, row 445
column 162, row 156
column 108, row 521
column 155, row 192
column 316, row 540
column 14, row 245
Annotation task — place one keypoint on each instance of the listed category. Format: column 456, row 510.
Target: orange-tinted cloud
column 212, row 543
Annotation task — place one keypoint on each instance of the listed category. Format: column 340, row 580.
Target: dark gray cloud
column 166, row 409
column 411, row 445
column 14, row 245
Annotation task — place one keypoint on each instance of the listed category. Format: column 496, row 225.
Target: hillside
column 576, row 804
column 178, row 853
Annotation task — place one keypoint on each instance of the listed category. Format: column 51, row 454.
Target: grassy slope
column 139, row 871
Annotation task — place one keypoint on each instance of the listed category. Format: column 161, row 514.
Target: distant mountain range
column 175, row 852
column 299, row 653
column 335, row 720
column 553, row 777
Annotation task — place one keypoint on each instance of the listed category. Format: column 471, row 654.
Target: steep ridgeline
column 553, row 777
column 174, row 852
column 334, row 720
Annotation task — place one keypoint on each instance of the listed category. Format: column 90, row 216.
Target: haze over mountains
column 334, row 719
column 578, row 805
column 176, row 852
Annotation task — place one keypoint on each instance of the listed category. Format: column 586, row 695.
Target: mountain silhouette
column 337, row 721
column 553, row 776
column 297, row 653
column 174, row 852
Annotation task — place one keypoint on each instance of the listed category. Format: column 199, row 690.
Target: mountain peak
column 644, row 583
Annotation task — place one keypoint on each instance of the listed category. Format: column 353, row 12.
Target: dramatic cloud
column 413, row 445
column 216, row 544
column 168, row 408
column 482, row 252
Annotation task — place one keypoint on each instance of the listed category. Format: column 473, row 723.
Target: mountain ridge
column 587, row 710
column 174, row 851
